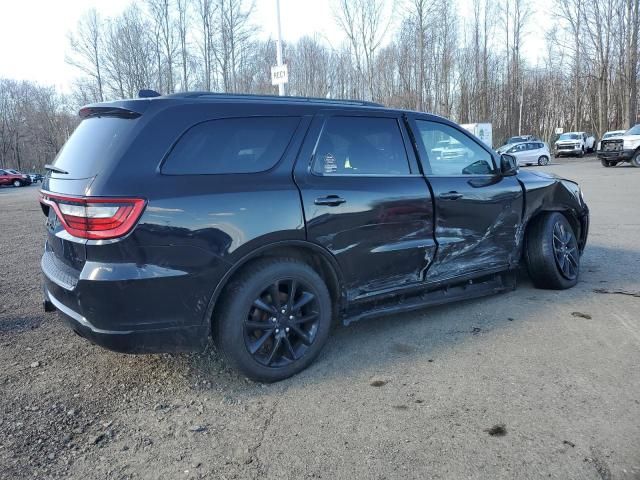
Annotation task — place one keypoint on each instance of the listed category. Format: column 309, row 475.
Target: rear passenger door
column 365, row 200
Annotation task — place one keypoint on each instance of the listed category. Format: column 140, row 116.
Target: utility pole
column 281, row 86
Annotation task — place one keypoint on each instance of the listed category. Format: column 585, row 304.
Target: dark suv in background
column 255, row 221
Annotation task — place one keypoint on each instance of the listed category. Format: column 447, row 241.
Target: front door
column 478, row 211
column 365, row 200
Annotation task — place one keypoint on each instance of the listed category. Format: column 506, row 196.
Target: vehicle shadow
column 375, row 345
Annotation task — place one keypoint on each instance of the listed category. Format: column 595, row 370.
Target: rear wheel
column 274, row 319
column 635, row 161
column 553, row 260
column 543, row 160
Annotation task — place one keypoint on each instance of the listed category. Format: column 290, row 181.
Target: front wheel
column 543, row 160
column 581, row 154
column 17, row 183
column 605, row 163
column 274, row 319
column 635, row 161
column 553, row 259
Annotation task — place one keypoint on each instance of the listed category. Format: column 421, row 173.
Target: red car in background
column 17, row 179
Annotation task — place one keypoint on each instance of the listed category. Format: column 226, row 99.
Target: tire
column 581, row 154
column 635, row 161
column 296, row 343
column 605, row 163
column 548, row 264
column 17, row 183
column 543, row 160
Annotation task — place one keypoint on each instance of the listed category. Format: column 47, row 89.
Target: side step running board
column 497, row 283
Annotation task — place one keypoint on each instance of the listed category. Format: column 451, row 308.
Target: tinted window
column 361, row 146
column 231, row 145
column 451, row 152
column 94, row 143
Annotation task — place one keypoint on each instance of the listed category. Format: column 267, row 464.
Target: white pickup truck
column 574, row 143
column 621, row 148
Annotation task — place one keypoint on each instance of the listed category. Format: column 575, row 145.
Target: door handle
column 330, row 200
column 450, row 196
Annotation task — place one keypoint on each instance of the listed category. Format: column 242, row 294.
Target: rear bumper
column 618, row 156
column 131, row 308
column 177, row 339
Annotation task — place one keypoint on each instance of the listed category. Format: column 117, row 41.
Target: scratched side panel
column 478, row 231
column 382, row 236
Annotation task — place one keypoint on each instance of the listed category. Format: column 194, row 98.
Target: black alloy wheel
column 565, row 249
column 273, row 318
column 282, row 323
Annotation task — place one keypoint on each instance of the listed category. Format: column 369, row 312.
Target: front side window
column 450, row 152
column 361, row 146
column 231, row 145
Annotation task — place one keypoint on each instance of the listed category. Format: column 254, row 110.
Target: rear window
column 231, row 145
column 92, row 144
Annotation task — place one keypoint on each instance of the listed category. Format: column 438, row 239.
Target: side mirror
column 508, row 165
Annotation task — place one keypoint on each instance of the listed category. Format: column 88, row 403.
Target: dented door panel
column 478, row 231
column 380, row 229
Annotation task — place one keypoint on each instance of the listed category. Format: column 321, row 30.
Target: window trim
column 426, row 162
column 410, row 165
column 166, row 156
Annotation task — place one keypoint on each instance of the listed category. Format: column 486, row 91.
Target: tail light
column 95, row 218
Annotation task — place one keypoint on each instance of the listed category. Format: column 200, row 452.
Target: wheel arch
column 320, row 259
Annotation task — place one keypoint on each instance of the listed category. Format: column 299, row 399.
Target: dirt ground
column 529, row 384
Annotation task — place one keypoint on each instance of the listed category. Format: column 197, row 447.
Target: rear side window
column 231, row 145
column 361, row 146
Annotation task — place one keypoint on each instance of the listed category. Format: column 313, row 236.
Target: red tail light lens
column 95, row 218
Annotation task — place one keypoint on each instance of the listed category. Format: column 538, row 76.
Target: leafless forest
column 416, row 54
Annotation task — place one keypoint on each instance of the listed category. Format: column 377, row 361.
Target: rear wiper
column 55, row 169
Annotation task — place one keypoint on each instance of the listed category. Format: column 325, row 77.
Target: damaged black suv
column 254, row 221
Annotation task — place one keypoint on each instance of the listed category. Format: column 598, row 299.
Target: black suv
column 255, row 221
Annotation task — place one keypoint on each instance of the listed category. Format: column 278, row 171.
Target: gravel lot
column 529, row 384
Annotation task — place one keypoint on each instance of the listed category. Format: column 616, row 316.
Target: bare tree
column 86, row 48
column 363, row 23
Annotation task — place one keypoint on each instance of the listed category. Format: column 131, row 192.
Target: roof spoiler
column 107, row 111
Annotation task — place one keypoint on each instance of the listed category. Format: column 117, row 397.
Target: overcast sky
column 33, row 33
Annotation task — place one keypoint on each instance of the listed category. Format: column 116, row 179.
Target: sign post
column 280, row 76
column 279, row 73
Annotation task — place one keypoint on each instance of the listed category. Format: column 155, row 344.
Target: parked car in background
column 610, row 134
column 256, row 221
column 35, row 177
column 522, row 138
column 7, row 177
column 528, row 153
column 622, row 148
column 574, row 143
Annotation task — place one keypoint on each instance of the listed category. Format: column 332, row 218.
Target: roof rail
column 251, row 96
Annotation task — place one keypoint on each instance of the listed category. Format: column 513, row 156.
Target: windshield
column 569, row 136
column 516, row 140
column 633, row 130
column 612, row 134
